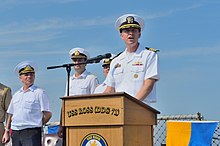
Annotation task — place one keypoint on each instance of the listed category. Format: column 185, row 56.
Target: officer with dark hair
column 106, row 66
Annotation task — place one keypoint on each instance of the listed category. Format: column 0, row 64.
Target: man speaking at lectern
column 136, row 70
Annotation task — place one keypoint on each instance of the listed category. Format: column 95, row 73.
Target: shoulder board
column 4, row 90
column 152, row 49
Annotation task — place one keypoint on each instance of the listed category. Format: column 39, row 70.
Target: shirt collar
column 31, row 88
column 137, row 53
column 139, row 50
column 83, row 75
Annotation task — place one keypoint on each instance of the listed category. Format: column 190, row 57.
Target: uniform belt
column 36, row 128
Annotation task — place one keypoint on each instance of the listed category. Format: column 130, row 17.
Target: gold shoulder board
column 152, row 49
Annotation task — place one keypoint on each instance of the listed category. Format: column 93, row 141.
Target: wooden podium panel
column 114, row 135
column 93, row 111
column 137, row 136
column 115, row 119
column 135, row 114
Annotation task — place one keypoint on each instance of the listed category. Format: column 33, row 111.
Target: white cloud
column 32, row 30
column 43, row 30
column 29, row 26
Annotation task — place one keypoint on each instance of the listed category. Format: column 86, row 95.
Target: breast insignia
column 117, row 65
column 135, row 76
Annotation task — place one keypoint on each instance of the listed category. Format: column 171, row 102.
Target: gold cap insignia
column 27, row 69
column 130, row 19
column 107, row 61
column 76, row 53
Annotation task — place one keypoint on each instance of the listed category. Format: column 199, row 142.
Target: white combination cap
column 25, row 67
column 107, row 61
column 129, row 21
column 78, row 53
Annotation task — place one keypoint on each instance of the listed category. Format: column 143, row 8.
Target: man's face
column 80, row 67
column 130, row 35
column 106, row 70
column 27, row 79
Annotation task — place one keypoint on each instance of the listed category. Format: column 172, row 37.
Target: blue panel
column 202, row 133
column 53, row 129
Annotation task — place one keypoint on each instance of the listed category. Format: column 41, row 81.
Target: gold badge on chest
column 135, row 76
column 117, row 65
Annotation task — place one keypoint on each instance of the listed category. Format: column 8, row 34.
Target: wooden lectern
column 115, row 119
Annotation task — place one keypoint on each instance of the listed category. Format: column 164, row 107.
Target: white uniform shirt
column 128, row 74
column 85, row 84
column 100, row 88
column 26, row 108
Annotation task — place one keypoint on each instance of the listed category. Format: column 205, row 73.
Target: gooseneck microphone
column 98, row 58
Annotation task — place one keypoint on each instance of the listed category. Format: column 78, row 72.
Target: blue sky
column 186, row 33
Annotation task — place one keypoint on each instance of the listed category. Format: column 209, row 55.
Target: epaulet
column 4, row 90
column 152, row 49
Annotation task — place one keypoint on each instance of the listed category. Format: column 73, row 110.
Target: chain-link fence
column 160, row 128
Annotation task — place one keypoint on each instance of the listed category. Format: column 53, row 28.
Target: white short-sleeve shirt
column 85, row 84
column 128, row 74
column 100, row 88
column 26, row 108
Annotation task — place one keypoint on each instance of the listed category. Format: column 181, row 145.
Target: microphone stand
column 68, row 69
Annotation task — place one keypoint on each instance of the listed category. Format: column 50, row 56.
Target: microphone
column 98, row 58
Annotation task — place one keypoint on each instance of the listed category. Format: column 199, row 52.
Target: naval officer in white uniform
column 82, row 81
column 136, row 70
column 106, row 66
